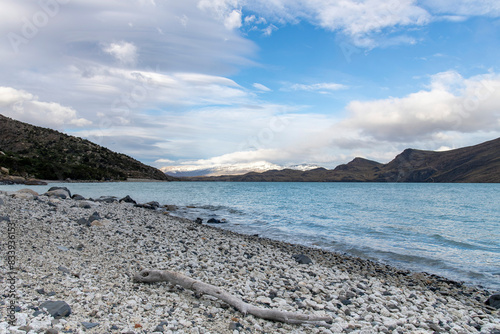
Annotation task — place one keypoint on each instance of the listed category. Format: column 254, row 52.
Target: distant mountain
column 479, row 163
column 234, row 169
column 47, row 154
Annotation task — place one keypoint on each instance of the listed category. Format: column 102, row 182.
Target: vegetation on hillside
column 51, row 155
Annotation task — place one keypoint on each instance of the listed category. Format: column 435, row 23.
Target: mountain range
column 473, row 164
column 32, row 151
column 36, row 152
column 230, row 169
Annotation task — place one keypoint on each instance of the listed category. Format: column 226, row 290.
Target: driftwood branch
column 152, row 276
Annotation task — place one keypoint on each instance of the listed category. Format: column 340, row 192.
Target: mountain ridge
column 473, row 164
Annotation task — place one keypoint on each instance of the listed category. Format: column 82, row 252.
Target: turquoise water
column 451, row 230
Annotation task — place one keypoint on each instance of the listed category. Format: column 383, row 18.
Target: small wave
column 221, row 208
column 458, row 244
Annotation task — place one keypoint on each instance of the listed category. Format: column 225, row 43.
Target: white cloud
column 164, row 161
column 261, row 87
column 233, row 20
column 136, row 90
column 242, row 157
column 124, row 52
column 269, row 30
column 356, row 19
column 26, row 107
column 451, row 103
column 250, row 19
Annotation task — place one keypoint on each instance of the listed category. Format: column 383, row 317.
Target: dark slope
column 51, row 155
column 478, row 163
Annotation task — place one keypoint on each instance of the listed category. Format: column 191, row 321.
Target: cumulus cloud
column 24, row 106
column 124, row 52
column 451, row 103
column 233, row 20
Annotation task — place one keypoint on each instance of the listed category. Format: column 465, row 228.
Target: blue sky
column 204, row 83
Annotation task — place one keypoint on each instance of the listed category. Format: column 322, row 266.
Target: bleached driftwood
column 152, row 276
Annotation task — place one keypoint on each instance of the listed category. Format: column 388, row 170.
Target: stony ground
column 88, row 269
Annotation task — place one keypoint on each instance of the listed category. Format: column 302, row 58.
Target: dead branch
column 152, row 276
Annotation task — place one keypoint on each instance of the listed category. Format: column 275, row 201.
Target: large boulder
column 23, row 195
column 215, row 221
column 35, row 182
column 302, row 259
column 494, row 301
column 127, row 199
column 13, row 180
column 77, row 197
column 107, row 199
column 87, row 204
column 149, row 205
column 60, row 192
column 28, row 191
column 56, row 309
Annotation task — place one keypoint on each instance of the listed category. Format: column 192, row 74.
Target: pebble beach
column 73, row 260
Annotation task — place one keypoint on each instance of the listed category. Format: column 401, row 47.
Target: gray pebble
column 89, row 325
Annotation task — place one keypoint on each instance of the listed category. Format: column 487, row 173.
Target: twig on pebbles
column 152, row 276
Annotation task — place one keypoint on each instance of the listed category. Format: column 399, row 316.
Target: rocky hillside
column 479, row 163
column 32, row 151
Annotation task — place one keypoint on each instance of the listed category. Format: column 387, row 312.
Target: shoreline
column 359, row 294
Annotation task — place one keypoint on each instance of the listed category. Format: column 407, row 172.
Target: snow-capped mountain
column 229, row 169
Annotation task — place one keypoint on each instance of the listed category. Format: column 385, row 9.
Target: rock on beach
column 60, row 192
column 57, row 309
column 86, row 272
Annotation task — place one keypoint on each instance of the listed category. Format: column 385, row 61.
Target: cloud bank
column 452, row 103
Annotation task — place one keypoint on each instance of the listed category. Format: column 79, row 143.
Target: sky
column 204, row 83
